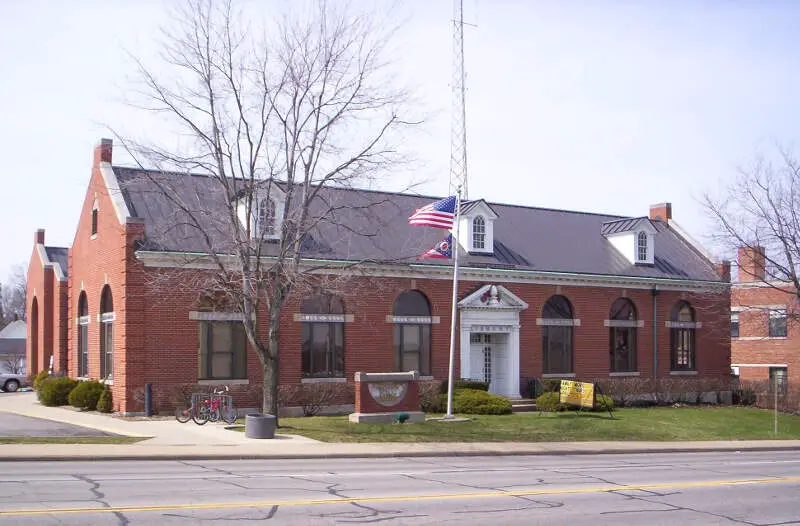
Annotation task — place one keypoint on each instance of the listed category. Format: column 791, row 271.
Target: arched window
column 557, row 325
column 642, row 246
column 106, row 334
column 34, row 365
column 682, row 337
column 323, row 336
column 412, row 333
column 265, row 218
column 83, row 336
column 478, row 233
column 622, row 336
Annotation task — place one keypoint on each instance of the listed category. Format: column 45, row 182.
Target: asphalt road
column 696, row 488
column 12, row 425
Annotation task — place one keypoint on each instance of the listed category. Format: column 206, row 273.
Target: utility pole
column 458, row 112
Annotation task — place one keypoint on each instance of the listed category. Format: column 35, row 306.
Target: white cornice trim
column 759, row 365
column 422, row 271
column 47, row 263
column 112, row 185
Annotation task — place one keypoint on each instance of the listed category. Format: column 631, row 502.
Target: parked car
column 10, row 382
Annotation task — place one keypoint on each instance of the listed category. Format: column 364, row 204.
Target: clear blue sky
column 603, row 106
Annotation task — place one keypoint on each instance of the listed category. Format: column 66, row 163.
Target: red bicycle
column 209, row 408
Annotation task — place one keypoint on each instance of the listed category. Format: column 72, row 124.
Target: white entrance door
column 489, row 361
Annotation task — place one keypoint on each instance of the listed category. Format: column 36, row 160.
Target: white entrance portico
column 490, row 338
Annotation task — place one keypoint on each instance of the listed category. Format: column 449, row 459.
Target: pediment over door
column 493, row 297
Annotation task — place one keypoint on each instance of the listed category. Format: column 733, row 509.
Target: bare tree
column 13, row 364
column 272, row 116
column 760, row 212
column 12, row 296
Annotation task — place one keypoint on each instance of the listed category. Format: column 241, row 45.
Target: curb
column 373, row 454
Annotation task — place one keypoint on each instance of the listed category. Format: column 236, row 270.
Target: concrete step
column 523, row 405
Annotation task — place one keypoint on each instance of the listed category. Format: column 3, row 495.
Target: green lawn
column 70, row 440
column 657, row 424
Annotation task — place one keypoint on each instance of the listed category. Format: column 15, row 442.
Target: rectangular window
column 94, row 221
column 777, row 323
column 412, row 348
column 83, row 346
column 623, row 349
column 223, row 350
column 323, row 350
column 735, row 325
column 557, row 345
column 683, row 349
column 778, row 377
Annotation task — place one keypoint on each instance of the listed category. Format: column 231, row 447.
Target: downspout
column 654, row 291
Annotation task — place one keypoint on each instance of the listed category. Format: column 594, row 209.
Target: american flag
column 442, row 250
column 438, row 215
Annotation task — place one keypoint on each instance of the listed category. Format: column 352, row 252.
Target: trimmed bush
column 41, row 377
column 477, row 402
column 466, row 384
column 549, row 402
column 55, row 391
column 429, row 392
column 105, row 402
column 86, row 394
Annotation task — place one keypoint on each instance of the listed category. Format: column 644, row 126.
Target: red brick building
column 542, row 293
column 765, row 343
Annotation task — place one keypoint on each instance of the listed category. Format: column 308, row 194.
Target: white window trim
column 624, row 373
column 558, row 322
column 759, row 338
column 632, row 324
column 214, row 381
column 433, row 320
column 557, row 375
column 683, row 324
column 683, row 373
column 759, row 365
column 324, row 318
column 324, row 380
column 215, row 316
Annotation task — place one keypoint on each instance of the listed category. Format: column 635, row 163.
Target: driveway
column 12, row 425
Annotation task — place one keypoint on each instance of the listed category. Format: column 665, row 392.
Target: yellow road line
column 399, row 498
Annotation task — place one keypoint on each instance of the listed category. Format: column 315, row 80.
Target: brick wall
column 754, row 346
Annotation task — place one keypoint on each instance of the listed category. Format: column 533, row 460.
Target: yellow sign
column 577, row 393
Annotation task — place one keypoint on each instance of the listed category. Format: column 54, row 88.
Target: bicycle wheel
column 183, row 415
column 213, row 415
column 230, row 415
column 200, row 417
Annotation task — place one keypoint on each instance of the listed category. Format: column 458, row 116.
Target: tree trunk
column 270, row 388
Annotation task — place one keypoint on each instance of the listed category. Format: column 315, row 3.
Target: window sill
column 93, row 236
column 215, row 381
column 82, row 378
column 425, row 378
column 556, row 375
column 107, row 382
column 758, row 338
column 624, row 373
column 683, row 373
column 335, row 380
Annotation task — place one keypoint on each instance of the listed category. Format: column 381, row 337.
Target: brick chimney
column 662, row 211
column 752, row 263
column 724, row 270
column 102, row 152
column 38, row 237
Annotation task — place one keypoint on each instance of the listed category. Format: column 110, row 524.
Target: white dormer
column 633, row 238
column 476, row 227
column 266, row 219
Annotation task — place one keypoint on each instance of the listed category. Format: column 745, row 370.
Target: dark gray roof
column 623, row 225
column 59, row 255
column 358, row 225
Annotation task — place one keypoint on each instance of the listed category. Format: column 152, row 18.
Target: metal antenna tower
column 458, row 117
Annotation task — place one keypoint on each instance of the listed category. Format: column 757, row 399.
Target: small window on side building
column 777, row 323
column 735, row 325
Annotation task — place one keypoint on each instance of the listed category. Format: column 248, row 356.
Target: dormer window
column 476, row 227
column 642, row 247
column 633, row 238
column 478, row 233
column 265, row 218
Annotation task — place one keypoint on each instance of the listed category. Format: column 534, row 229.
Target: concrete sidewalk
column 172, row 440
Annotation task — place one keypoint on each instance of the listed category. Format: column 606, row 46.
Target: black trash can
column 257, row 425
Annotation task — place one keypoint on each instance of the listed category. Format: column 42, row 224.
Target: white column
column 465, row 351
column 513, row 361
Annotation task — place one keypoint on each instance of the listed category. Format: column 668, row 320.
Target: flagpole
column 454, row 247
